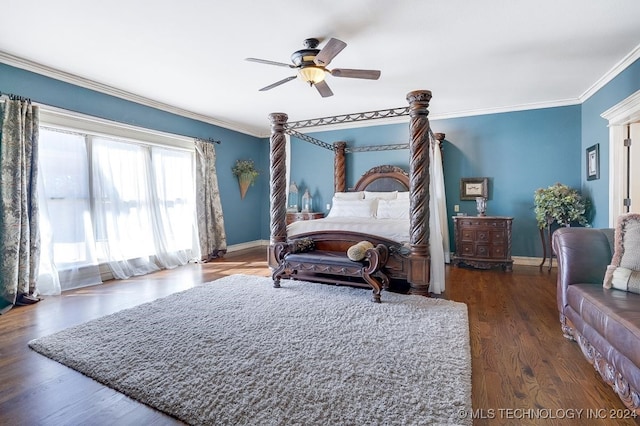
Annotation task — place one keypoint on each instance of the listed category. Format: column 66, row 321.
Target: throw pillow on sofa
column 624, row 271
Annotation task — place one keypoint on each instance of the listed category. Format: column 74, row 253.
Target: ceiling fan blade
column 264, row 61
column 323, row 89
column 277, row 83
column 329, row 51
column 350, row 73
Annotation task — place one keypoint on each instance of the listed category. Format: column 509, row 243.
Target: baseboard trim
column 248, row 245
column 529, row 261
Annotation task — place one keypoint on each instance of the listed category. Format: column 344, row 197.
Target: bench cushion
column 323, row 257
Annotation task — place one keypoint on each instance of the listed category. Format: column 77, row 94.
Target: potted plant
column 560, row 204
column 246, row 173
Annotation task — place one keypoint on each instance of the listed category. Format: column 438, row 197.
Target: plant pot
column 245, row 181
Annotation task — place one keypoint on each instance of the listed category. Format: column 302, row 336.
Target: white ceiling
column 475, row 56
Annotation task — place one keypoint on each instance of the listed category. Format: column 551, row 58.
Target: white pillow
column 393, row 209
column 353, row 208
column 403, row 195
column 359, row 195
column 381, row 195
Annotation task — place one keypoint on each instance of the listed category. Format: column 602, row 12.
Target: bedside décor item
column 293, row 198
column 481, row 206
column 307, row 202
column 246, row 173
column 593, row 162
column 471, row 188
column 561, row 205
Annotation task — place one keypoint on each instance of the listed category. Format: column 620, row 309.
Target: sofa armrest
column 583, row 255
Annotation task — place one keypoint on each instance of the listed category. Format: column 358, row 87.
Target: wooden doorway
column 624, row 161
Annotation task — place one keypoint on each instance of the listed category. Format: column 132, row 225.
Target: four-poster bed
column 407, row 263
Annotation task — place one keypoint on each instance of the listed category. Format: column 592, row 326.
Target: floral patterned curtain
column 213, row 240
column 19, row 229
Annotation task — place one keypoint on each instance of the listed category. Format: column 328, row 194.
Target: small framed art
column 593, row 162
column 471, row 188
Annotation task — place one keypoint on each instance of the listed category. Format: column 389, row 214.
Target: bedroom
column 520, row 150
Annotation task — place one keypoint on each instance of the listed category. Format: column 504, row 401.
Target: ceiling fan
column 312, row 62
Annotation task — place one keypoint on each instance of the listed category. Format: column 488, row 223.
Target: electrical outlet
column 456, row 208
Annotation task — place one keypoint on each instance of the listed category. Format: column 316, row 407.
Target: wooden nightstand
column 294, row 217
column 483, row 241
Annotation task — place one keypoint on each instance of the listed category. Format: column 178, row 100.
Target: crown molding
column 612, row 73
column 28, row 65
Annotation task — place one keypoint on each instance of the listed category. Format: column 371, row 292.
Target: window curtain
column 68, row 256
column 137, row 230
column 212, row 236
column 19, row 231
column 438, row 221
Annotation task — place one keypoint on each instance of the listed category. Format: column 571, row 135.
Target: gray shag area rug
column 238, row 351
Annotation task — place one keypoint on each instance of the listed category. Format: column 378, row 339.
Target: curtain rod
column 14, row 97
column 210, row 140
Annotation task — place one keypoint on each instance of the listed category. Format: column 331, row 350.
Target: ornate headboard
column 383, row 179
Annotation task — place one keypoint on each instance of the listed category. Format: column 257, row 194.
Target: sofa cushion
column 624, row 271
column 613, row 314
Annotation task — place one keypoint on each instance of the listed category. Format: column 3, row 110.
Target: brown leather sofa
column 604, row 322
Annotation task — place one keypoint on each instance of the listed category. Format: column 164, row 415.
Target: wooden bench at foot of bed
column 332, row 267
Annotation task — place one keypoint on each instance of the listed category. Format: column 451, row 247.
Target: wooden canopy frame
column 417, row 273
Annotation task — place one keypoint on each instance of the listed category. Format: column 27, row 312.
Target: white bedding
column 392, row 229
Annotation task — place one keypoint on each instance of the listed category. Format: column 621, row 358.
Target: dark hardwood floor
column 524, row 370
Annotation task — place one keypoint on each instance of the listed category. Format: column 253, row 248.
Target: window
column 128, row 203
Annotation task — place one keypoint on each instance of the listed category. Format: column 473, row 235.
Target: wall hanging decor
column 246, row 173
column 471, row 188
column 593, row 162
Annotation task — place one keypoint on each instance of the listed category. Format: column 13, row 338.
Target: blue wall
column 241, row 224
column 595, row 130
column 518, row 151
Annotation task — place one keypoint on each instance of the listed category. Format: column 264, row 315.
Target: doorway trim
column 619, row 116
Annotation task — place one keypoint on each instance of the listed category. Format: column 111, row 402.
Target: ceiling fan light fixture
column 312, row 74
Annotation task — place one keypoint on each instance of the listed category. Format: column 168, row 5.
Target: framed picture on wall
column 593, row 162
column 470, row 188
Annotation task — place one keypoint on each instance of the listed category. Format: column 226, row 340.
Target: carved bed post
column 339, row 167
column 419, row 191
column 278, row 183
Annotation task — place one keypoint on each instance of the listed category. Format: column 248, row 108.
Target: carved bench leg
column 377, row 288
column 277, row 274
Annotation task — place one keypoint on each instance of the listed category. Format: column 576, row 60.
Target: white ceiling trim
column 28, row 65
column 613, row 72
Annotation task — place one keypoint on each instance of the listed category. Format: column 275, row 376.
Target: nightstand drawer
column 483, row 241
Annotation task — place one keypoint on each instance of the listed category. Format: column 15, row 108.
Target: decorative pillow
column 301, row 245
column 353, row 208
column 403, row 195
column 624, row 271
column 357, row 251
column 392, row 195
column 393, row 209
column 358, row 195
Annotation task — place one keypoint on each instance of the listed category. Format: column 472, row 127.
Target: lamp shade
column 311, row 74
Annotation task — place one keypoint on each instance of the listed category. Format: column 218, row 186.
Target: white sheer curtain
column 438, row 223
column 128, row 205
column 68, row 257
column 140, row 227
